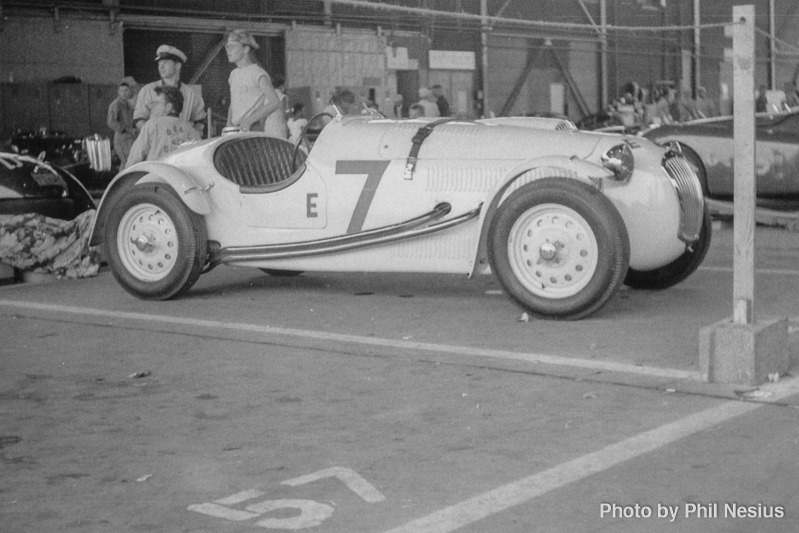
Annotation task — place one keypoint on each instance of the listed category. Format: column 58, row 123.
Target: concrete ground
column 390, row 403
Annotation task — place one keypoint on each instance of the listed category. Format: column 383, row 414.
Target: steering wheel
column 304, row 137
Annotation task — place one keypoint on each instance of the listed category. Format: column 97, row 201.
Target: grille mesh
column 689, row 192
column 256, row 161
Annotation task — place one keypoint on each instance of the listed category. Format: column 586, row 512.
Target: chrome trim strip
column 689, row 193
column 388, row 234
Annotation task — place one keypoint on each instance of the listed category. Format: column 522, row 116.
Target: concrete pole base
column 744, row 353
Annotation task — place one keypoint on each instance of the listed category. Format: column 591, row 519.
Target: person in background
column 279, row 83
column 705, row 106
column 165, row 130
column 134, row 87
column 686, row 106
column 398, row 105
column 254, row 103
column 761, row 103
column 120, row 119
column 296, row 122
column 662, row 113
column 441, row 101
column 342, row 101
column 170, row 63
column 428, row 101
column 415, row 111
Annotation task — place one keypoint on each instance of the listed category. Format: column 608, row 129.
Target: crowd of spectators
column 670, row 102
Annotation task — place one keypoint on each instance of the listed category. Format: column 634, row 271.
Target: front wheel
column 679, row 269
column 156, row 246
column 559, row 247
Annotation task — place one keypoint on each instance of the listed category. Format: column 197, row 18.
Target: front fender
column 189, row 189
column 524, row 173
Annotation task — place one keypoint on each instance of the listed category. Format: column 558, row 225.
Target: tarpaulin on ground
column 41, row 244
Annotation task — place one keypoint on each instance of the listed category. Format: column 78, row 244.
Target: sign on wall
column 452, row 60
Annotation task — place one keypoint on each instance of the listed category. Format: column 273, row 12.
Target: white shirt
column 246, row 96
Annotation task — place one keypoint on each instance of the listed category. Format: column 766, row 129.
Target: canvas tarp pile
column 33, row 242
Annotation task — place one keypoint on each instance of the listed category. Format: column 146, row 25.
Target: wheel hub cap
column 143, row 244
column 553, row 251
column 548, row 251
column 147, row 242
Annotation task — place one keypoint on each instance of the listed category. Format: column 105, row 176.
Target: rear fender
column 190, row 190
column 529, row 171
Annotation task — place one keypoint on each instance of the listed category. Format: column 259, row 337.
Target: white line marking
column 777, row 271
column 351, row 478
column 606, row 366
column 240, row 497
column 217, row 511
column 312, row 513
column 502, row 498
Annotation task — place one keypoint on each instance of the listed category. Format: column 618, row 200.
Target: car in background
column 67, row 153
column 28, row 185
column 708, row 145
column 562, row 217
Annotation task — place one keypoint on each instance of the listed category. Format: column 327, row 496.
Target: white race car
column 561, row 217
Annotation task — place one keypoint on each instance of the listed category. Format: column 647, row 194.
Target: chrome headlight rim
column 620, row 161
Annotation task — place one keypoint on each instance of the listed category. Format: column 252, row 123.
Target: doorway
column 458, row 89
column 408, row 87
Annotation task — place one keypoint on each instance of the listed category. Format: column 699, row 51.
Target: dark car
column 709, row 147
column 28, row 185
column 67, row 153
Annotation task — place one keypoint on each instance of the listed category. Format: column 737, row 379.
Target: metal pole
column 743, row 46
column 697, row 47
column 484, row 47
column 603, row 54
column 772, row 46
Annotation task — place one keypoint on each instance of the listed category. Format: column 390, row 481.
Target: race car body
column 562, row 217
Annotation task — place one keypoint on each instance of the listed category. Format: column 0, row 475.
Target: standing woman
column 254, row 104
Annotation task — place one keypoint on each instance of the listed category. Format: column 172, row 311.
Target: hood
column 392, row 139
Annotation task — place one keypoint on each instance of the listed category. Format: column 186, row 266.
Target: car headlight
column 620, row 161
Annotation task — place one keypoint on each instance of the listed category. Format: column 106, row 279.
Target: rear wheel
column 559, row 248
column 679, row 269
column 156, row 246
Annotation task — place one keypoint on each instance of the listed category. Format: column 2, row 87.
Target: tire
column 559, row 248
column 156, row 246
column 695, row 162
column 281, row 273
column 679, row 269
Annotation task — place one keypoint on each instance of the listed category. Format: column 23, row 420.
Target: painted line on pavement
column 778, row 271
column 605, row 366
column 500, row 499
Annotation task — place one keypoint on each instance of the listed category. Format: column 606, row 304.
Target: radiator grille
column 689, row 192
column 256, row 161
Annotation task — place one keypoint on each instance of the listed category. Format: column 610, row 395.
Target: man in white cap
column 170, row 61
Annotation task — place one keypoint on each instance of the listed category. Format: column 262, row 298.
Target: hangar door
column 523, row 71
